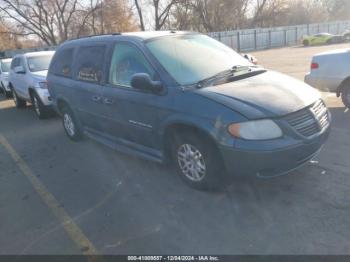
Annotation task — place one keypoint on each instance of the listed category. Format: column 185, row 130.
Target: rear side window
column 62, row 63
column 90, row 63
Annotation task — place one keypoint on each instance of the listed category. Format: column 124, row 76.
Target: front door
column 133, row 113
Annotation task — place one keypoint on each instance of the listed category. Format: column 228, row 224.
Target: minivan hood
column 268, row 94
column 40, row 74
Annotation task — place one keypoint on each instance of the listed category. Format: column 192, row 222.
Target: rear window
column 62, row 63
column 90, row 63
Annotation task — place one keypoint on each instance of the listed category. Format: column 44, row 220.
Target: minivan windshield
column 192, row 58
column 5, row 66
column 39, row 63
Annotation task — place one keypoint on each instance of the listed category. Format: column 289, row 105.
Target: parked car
column 187, row 98
column 250, row 58
column 28, row 81
column 330, row 71
column 347, row 35
column 4, row 73
column 322, row 39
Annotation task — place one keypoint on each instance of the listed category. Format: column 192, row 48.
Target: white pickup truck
column 330, row 71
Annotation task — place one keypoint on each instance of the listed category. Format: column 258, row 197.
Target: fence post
column 338, row 28
column 238, row 41
column 255, row 40
column 296, row 35
column 308, row 29
column 285, row 37
column 270, row 39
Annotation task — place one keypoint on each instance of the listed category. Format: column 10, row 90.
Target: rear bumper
column 322, row 83
column 270, row 163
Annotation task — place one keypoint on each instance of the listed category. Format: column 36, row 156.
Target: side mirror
column 143, row 81
column 19, row 70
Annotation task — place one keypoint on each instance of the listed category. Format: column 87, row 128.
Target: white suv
column 27, row 81
column 4, row 74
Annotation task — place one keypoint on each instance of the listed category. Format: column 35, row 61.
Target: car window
column 14, row 63
column 90, row 62
column 126, row 61
column 38, row 63
column 62, row 63
column 191, row 58
column 5, row 66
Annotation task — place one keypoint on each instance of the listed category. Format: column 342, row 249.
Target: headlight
column 42, row 85
column 256, row 130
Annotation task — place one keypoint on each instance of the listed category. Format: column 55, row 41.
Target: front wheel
column 345, row 95
column 40, row 109
column 198, row 162
column 71, row 125
column 20, row 103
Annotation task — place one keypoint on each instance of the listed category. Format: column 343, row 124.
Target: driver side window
column 127, row 61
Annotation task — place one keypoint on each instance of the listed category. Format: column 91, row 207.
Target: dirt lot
column 59, row 197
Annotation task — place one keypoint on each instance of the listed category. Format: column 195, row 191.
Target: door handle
column 108, row 101
column 96, row 99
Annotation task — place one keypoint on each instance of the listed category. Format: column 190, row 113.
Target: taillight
column 314, row 66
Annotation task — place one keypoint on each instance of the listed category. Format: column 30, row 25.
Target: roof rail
column 88, row 36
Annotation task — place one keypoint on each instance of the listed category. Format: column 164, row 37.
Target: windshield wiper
column 224, row 74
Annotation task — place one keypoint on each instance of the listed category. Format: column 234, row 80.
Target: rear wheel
column 198, row 162
column 345, row 95
column 40, row 109
column 19, row 102
column 71, row 125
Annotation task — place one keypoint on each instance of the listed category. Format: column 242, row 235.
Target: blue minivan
column 189, row 99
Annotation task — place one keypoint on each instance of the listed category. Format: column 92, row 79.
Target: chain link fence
column 266, row 38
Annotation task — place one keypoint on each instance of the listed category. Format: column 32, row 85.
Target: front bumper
column 272, row 162
column 44, row 96
column 5, row 85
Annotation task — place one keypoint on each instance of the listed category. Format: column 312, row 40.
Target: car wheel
column 306, row 42
column 345, row 95
column 20, row 103
column 40, row 109
column 198, row 163
column 70, row 124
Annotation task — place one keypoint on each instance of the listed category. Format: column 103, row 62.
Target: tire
column 40, row 109
column 345, row 96
column 71, row 125
column 198, row 162
column 19, row 102
column 306, row 42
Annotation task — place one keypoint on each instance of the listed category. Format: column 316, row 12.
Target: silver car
column 4, row 74
column 330, row 71
column 27, row 81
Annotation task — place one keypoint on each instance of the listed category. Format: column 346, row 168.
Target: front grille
column 311, row 120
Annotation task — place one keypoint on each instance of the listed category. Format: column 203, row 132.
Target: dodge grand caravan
column 187, row 98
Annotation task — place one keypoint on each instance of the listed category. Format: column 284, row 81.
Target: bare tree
column 161, row 11
column 47, row 19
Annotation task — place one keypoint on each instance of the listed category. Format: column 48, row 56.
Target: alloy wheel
column 36, row 106
column 191, row 162
column 69, row 124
